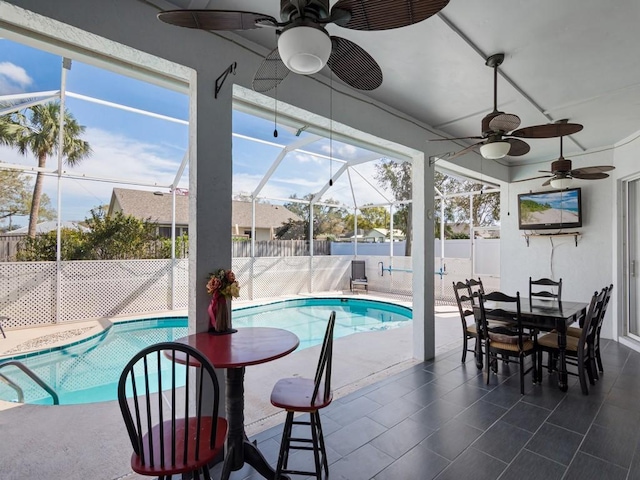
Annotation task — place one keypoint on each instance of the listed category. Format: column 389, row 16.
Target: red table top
column 248, row 346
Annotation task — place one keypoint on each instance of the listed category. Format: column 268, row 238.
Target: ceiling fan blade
column 464, row 150
column 215, row 19
column 504, row 122
column 589, row 176
column 353, row 65
column 518, row 147
column 590, row 170
column 545, row 171
column 532, row 178
column 477, row 137
column 387, row 14
column 550, row 130
column 548, row 182
column 271, row 72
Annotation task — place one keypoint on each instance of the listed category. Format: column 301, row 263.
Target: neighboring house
column 48, row 226
column 157, row 207
column 375, row 235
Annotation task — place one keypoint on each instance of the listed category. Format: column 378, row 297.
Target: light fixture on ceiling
column 304, row 50
column 561, row 183
column 495, row 150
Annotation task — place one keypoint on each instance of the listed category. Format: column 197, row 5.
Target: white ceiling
column 574, row 59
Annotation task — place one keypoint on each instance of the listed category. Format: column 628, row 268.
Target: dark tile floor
column 439, row 420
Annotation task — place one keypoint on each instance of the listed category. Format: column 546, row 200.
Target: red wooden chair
column 305, row 395
column 173, row 429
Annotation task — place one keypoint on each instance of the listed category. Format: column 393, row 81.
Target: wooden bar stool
column 305, row 395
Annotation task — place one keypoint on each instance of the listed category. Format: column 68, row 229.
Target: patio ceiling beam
column 276, row 163
column 26, row 96
column 126, row 109
column 281, row 145
column 351, row 163
column 183, row 165
column 20, row 106
column 80, row 176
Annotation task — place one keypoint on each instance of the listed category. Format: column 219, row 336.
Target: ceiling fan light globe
column 561, row 183
column 304, row 50
column 495, row 150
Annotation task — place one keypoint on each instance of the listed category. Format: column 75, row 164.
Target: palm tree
column 38, row 133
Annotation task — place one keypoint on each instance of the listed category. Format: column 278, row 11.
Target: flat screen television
column 550, row 210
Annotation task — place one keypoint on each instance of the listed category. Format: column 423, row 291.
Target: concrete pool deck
column 90, row 442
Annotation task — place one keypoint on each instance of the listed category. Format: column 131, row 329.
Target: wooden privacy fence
column 10, row 244
column 281, row 248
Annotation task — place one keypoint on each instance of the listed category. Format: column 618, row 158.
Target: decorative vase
column 220, row 315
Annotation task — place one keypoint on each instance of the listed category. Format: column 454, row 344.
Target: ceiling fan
column 562, row 173
column 304, row 45
column 496, row 141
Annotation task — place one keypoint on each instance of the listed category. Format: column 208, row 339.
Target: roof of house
column 157, row 207
column 48, row 226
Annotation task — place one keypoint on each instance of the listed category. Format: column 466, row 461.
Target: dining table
column 545, row 315
column 234, row 352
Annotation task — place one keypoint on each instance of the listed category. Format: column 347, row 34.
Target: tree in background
column 36, row 130
column 486, row 206
column 327, row 221
column 369, row 218
column 396, row 176
column 115, row 237
column 119, row 237
column 15, row 198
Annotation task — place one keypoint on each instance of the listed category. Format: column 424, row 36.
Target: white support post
column 173, row 249
column 442, row 200
column 472, row 237
column 310, row 247
column 355, row 231
column 391, row 229
column 66, row 66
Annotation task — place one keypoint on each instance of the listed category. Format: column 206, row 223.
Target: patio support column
column 423, row 259
column 210, row 204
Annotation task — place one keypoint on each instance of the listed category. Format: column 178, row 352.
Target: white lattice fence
column 107, row 288
column 28, row 293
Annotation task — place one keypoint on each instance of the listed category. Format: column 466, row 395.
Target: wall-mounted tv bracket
column 575, row 236
column 221, row 79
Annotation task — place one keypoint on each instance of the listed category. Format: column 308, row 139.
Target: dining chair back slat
column 549, row 286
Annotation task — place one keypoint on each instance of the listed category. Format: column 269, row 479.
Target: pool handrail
column 33, row 376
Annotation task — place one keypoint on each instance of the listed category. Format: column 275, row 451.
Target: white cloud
column 13, row 79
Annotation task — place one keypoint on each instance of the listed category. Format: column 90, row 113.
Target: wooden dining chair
column 577, row 331
column 464, row 300
column 579, row 351
column 475, row 287
column 305, row 395
column 511, row 346
column 174, row 429
column 548, row 292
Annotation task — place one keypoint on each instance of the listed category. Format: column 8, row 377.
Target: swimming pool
column 88, row 371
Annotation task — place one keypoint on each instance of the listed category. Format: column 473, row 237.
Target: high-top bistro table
column 248, row 346
column 547, row 315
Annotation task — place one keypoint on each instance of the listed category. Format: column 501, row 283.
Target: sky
column 129, row 147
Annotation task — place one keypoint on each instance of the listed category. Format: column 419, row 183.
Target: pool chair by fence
column 305, row 395
column 173, row 430
column 2, row 319
column 358, row 275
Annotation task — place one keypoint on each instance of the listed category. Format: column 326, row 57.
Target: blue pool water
column 88, row 371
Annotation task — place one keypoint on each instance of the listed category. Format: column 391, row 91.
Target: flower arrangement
column 222, row 286
column 223, row 282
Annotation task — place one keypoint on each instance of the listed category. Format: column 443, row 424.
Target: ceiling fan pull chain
column 275, row 109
